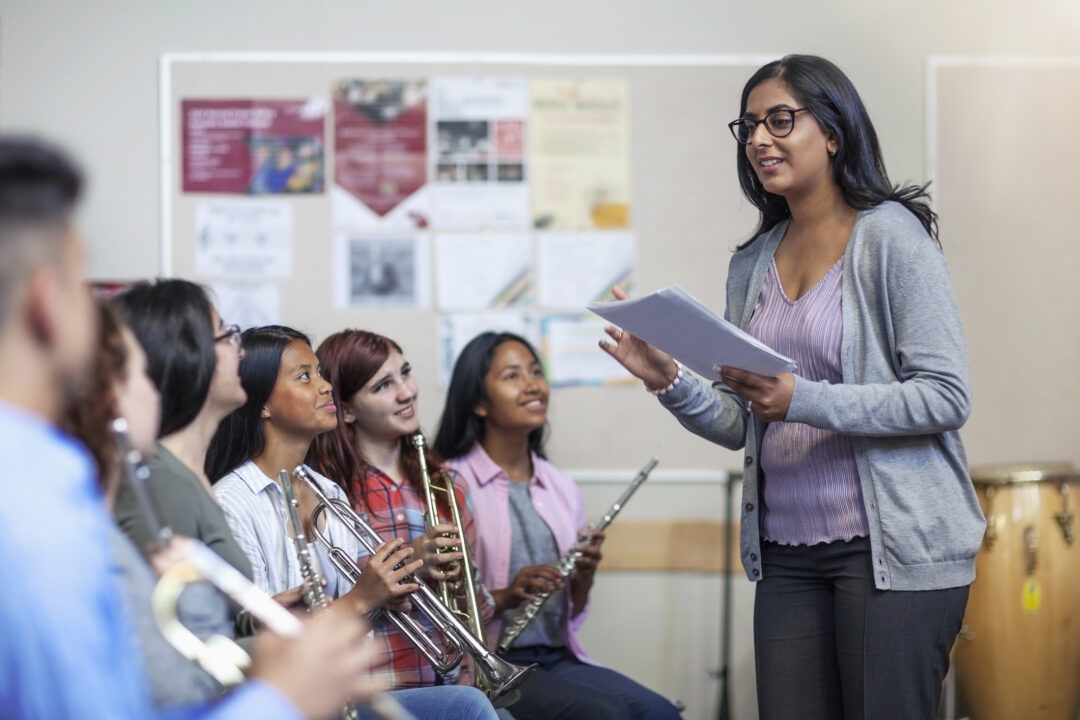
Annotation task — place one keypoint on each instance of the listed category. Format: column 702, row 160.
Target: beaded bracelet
column 672, row 384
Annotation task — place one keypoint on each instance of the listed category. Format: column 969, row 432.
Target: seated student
column 370, row 454
column 121, row 387
column 193, row 359
column 528, row 515
column 66, row 651
column 289, row 404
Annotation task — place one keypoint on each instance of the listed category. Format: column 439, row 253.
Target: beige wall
column 85, row 73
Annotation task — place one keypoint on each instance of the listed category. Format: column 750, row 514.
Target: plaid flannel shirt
column 398, row 511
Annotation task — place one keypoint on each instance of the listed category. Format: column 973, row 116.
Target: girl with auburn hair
column 528, row 515
column 371, row 455
column 290, row 404
column 859, row 522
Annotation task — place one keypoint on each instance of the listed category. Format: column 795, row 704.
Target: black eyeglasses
column 232, row 334
column 779, row 123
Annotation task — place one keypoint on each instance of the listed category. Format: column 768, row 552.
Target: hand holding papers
column 675, row 322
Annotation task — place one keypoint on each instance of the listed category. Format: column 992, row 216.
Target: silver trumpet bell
column 503, row 677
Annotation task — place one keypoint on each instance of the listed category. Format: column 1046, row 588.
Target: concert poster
column 258, row 147
column 380, row 154
column 579, row 139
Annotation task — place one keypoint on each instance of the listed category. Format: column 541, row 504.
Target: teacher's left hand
column 767, row 398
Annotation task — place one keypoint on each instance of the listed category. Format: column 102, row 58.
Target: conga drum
column 1018, row 655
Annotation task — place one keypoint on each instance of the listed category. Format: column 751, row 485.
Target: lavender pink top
column 810, row 492
column 557, row 500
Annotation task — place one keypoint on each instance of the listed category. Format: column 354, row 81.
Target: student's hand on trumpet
column 529, row 581
column 380, row 584
column 434, row 548
column 649, row 364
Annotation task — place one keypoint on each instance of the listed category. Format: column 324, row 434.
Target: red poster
column 253, row 146
column 380, row 141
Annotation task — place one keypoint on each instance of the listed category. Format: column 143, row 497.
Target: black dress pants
column 830, row 646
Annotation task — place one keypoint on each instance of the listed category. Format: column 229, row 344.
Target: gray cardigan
column 905, row 394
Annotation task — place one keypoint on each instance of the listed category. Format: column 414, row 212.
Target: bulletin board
column 686, row 215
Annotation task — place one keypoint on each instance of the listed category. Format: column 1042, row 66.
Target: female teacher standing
column 859, row 521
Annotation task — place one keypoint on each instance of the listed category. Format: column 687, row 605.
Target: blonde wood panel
column 687, row 545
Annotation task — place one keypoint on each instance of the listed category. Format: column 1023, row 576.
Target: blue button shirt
column 65, row 649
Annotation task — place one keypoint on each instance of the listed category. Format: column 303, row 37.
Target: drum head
column 1012, row 473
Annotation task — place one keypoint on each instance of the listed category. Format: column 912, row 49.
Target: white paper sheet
column 248, row 304
column 477, row 271
column 576, row 269
column 571, row 354
column 681, row 326
column 457, row 329
column 248, row 238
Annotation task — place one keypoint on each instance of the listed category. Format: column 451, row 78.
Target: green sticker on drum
column 1031, row 596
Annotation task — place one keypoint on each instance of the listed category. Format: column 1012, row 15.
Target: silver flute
column 528, row 611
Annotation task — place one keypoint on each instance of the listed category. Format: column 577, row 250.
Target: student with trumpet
column 289, row 404
column 528, row 514
column 371, row 454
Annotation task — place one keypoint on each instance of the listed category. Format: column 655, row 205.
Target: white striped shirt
column 255, row 509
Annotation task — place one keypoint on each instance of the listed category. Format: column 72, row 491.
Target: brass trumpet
column 471, row 612
column 502, row 677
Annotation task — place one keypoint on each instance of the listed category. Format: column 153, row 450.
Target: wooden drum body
column 1018, row 655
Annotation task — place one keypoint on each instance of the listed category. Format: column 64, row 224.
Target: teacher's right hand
column 651, row 365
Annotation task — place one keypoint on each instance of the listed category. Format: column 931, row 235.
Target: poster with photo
column 477, row 271
column 457, row 329
column 579, row 154
column 380, row 154
column 480, row 176
column 260, row 147
column 382, row 272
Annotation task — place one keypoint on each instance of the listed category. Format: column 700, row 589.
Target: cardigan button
column 749, row 461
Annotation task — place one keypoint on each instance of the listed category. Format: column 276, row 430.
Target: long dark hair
column 460, row 427
column 349, row 360
column 240, row 436
column 172, row 320
column 858, row 166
